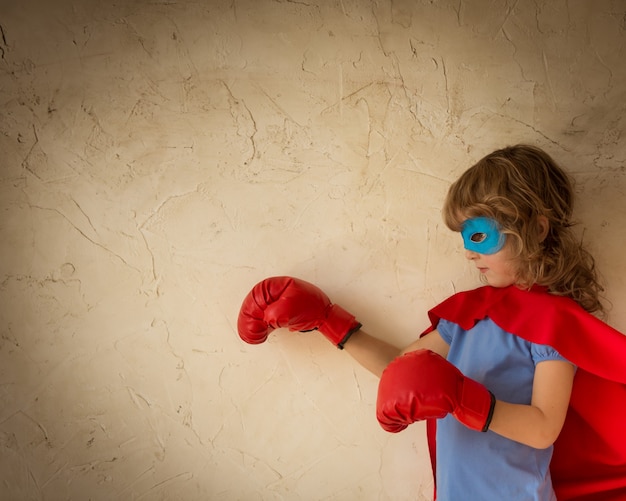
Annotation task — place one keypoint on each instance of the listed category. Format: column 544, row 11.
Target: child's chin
column 499, row 284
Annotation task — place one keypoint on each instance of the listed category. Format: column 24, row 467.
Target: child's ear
column 544, row 226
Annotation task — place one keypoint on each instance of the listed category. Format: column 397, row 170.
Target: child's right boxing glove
column 295, row 304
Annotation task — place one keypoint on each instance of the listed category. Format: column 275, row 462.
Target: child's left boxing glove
column 423, row 385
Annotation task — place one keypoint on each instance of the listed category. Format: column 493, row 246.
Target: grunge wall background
column 160, row 157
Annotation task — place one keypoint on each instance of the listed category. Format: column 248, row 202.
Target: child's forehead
column 467, row 213
column 481, row 222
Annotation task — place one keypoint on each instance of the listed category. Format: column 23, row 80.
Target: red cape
column 589, row 461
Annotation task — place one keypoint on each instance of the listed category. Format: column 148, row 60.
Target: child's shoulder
column 543, row 318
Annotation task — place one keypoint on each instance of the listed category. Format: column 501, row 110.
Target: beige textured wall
column 159, row 157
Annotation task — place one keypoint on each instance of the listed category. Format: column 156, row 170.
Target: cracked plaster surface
column 159, row 158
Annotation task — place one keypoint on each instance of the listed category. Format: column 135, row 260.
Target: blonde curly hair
column 521, row 187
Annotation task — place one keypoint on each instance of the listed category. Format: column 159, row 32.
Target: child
column 496, row 367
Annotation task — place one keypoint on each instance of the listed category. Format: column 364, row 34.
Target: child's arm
column 424, row 385
column 301, row 306
column 375, row 354
column 372, row 353
column 538, row 424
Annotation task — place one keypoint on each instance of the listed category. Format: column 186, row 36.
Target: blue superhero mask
column 482, row 235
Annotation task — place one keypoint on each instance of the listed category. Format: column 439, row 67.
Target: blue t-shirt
column 476, row 466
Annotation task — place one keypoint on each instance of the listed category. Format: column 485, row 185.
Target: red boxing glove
column 423, row 385
column 298, row 305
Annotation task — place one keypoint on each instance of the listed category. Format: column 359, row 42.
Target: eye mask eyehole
column 478, row 237
column 482, row 235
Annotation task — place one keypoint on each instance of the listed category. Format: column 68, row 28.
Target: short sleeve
column 447, row 330
column 543, row 353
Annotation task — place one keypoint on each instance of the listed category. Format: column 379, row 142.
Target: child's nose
column 471, row 255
